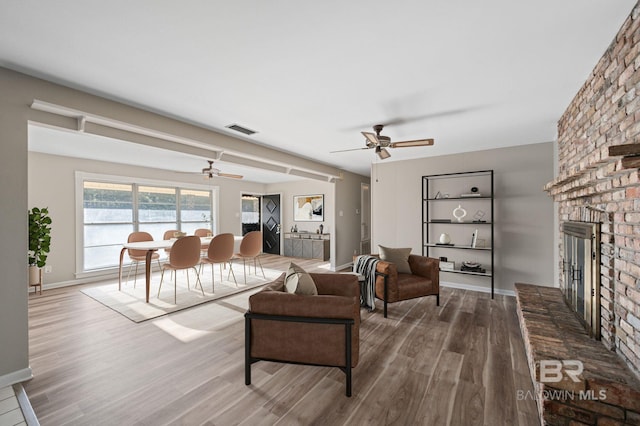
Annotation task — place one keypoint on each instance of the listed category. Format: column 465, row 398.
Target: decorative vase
column 445, row 238
column 34, row 275
column 321, row 228
column 459, row 213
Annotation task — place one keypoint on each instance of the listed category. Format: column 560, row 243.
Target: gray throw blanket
column 365, row 265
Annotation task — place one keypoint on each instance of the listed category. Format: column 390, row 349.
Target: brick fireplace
column 598, row 182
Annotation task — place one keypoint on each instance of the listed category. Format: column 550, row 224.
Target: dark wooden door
column 271, row 224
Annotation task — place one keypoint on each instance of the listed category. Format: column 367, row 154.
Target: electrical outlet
column 48, row 269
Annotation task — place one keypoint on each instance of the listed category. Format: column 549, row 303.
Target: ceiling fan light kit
column 210, row 172
column 382, row 152
column 381, row 143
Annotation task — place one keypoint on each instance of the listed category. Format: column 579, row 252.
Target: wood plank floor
column 462, row 363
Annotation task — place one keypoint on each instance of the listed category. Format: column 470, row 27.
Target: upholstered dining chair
column 169, row 234
column 220, row 251
column 203, row 232
column 138, row 256
column 250, row 248
column 185, row 254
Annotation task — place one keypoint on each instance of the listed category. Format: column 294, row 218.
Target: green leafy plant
column 39, row 236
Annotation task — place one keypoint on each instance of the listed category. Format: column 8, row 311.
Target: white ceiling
column 309, row 76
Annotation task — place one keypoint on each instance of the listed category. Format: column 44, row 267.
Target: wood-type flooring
column 462, row 363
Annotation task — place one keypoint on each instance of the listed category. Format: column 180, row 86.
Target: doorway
column 250, row 213
column 365, row 214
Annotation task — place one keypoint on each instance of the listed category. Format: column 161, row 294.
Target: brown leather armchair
column 315, row 330
column 424, row 280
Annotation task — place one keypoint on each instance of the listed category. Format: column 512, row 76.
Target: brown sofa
column 424, row 280
column 312, row 330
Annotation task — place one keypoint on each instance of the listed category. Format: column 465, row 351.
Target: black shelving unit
column 432, row 197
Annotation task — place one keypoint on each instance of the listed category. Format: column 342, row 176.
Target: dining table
column 151, row 247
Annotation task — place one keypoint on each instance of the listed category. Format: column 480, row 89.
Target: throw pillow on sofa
column 398, row 256
column 298, row 281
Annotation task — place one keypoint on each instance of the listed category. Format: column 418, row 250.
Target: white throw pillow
column 298, row 281
column 398, row 256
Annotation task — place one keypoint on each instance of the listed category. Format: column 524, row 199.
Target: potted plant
column 39, row 242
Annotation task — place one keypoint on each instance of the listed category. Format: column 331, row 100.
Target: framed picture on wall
column 308, row 208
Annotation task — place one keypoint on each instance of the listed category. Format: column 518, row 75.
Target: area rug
column 130, row 301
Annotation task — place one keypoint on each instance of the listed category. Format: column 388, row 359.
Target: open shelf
column 465, row 222
column 456, row 246
column 458, row 198
column 436, row 191
column 458, row 271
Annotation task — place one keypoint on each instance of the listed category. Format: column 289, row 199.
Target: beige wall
column 14, row 346
column 524, row 215
column 348, row 218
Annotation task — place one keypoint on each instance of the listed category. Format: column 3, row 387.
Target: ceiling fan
column 381, row 142
column 210, row 172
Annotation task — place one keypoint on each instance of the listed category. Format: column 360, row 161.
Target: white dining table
column 151, row 247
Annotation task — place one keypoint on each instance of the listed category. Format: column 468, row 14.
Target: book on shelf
column 471, row 195
column 441, row 220
column 447, row 266
column 473, row 269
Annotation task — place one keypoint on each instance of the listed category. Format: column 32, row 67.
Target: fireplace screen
column 581, row 267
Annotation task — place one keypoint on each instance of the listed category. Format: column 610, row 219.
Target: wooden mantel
column 630, row 154
column 616, row 159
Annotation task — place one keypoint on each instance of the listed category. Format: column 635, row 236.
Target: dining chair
column 138, row 256
column 185, row 254
column 203, row 232
column 251, row 248
column 169, row 234
column 220, row 251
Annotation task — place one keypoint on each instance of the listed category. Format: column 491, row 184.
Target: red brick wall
column 595, row 187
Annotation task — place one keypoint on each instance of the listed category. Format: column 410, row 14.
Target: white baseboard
column 16, row 377
column 477, row 288
column 88, row 279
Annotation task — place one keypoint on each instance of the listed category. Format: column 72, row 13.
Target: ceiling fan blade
column 229, row 175
column 417, row 142
column 372, row 139
column 345, row 150
column 382, row 153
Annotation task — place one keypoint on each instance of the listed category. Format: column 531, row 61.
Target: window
column 195, row 210
column 157, row 210
column 108, row 220
column 111, row 210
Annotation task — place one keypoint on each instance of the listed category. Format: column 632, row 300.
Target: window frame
column 81, row 177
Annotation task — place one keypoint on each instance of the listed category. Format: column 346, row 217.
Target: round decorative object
column 445, row 238
column 459, row 213
column 474, row 189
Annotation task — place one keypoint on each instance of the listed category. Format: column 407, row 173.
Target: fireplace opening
column 581, row 272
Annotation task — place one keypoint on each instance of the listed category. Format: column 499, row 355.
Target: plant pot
column 34, row 275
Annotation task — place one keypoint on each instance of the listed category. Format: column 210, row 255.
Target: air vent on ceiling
column 241, row 129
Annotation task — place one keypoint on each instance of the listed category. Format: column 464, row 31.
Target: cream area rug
column 130, row 301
